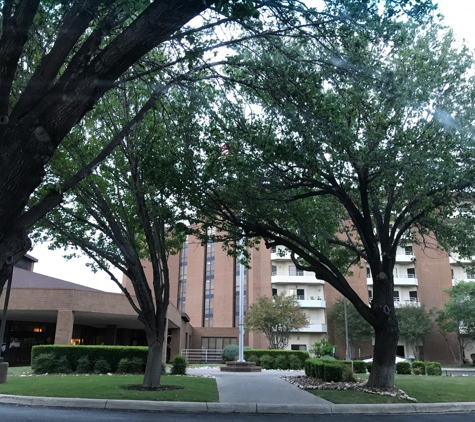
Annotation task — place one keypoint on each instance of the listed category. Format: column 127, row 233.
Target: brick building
column 46, row 310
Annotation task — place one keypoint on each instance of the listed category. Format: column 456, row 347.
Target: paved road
column 26, row 414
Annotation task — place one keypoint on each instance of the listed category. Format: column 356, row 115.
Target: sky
column 459, row 14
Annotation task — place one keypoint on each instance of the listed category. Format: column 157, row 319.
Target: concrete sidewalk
column 263, row 392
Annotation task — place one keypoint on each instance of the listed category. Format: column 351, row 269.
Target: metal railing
column 203, row 355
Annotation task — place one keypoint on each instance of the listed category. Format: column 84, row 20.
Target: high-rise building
column 207, row 291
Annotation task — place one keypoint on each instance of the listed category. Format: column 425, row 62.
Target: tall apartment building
column 205, row 287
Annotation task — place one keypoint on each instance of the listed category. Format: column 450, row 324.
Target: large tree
column 127, row 212
column 57, row 59
column 340, row 158
column 414, row 325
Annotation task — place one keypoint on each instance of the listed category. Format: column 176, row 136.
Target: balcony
column 408, row 280
column 294, row 277
column 405, row 257
column 275, row 256
column 307, row 302
column 399, row 303
column 314, row 327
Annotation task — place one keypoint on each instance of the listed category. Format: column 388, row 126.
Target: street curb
column 201, row 407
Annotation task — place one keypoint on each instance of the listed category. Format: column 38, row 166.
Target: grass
column 195, row 389
column 423, row 388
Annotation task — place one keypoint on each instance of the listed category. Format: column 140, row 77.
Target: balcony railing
column 203, row 355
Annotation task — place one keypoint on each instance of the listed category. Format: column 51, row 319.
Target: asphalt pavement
column 263, row 393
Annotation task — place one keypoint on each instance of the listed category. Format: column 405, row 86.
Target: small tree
column 359, row 330
column 276, row 318
column 458, row 314
column 322, row 348
column 414, row 324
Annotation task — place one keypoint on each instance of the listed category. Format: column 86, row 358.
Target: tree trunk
column 153, row 368
column 384, row 355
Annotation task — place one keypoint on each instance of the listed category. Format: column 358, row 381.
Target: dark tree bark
column 53, row 102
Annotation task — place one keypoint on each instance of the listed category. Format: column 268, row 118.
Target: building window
column 209, row 285
column 470, row 275
column 452, row 272
column 236, row 292
column 396, row 296
column 411, row 273
column 274, row 269
column 273, row 249
column 413, row 296
column 368, row 272
column 300, row 294
column 182, row 277
column 274, row 292
column 370, row 295
column 298, row 347
column 408, row 250
column 217, row 342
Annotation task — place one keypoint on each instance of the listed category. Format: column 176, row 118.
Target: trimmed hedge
column 403, row 368
column 418, row 367
column 111, row 354
column 433, row 368
column 230, row 352
column 359, row 367
column 290, row 356
column 368, row 366
column 325, row 370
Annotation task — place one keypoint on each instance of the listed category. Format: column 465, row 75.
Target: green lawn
column 423, row 388
column 195, row 389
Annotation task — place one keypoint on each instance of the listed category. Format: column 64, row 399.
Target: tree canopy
column 458, row 314
column 414, row 325
column 341, row 156
column 277, row 318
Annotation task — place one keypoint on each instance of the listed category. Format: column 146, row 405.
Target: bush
column 230, row 352
column 254, row 358
column 45, row 363
column 368, row 366
column 326, row 370
column 403, row 368
column 294, row 362
column 322, row 348
column 472, row 356
column 102, row 367
column 281, row 362
column 179, row 365
column 164, row 369
column 63, row 366
column 433, row 368
column 112, row 354
column 123, row 366
column 348, row 374
column 418, row 367
column 267, row 362
column 300, row 354
column 333, row 372
column 359, row 367
column 83, row 365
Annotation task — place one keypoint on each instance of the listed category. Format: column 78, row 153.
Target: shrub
column 281, row 362
column 418, row 367
column 179, row 365
column 101, row 367
column 63, row 366
column 472, row 356
column 322, row 348
column 254, row 358
column 112, row 354
column 44, row 363
column 348, row 374
column 164, row 369
column 300, row 354
column 368, row 366
column 433, row 368
column 294, row 362
column 136, row 366
column 267, row 362
column 359, row 367
column 403, row 368
column 333, row 372
column 83, row 365
column 123, row 366
column 325, row 370
column 230, row 352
